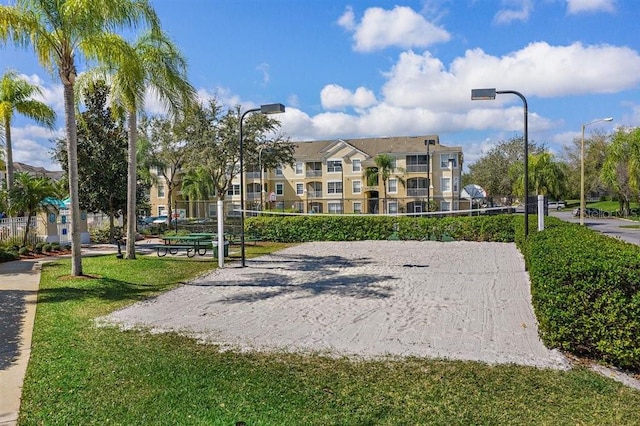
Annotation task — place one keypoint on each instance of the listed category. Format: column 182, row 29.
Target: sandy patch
column 457, row 300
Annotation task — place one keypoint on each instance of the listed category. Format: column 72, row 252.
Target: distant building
column 329, row 177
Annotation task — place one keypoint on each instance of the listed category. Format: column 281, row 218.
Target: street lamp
column 451, row 163
column 260, row 149
column 490, row 94
column 428, row 143
column 582, row 203
column 264, row 109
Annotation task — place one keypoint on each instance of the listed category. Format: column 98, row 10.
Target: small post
column 540, row 212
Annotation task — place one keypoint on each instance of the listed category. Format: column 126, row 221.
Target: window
column 234, row 190
column 299, row 188
column 162, row 210
column 392, row 186
column 334, row 187
column 334, row 166
column 356, row 165
column 161, row 189
column 279, row 188
column 444, row 160
column 445, row 206
column 445, row 184
column 357, row 187
column 416, row 163
column 299, row 168
column 393, row 207
column 334, row 207
column 279, row 171
column 357, row 207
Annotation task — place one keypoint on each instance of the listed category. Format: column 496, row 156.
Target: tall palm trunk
column 131, row 186
column 8, row 154
column 72, row 159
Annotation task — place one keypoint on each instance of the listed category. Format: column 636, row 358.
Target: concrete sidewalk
column 19, row 283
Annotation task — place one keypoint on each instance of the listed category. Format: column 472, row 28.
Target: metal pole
column 428, row 175
column 526, row 157
column 242, row 249
column 260, row 166
column 582, row 177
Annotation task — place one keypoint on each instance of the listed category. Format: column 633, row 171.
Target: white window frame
column 162, row 210
column 445, row 184
column 279, row 171
column 392, row 207
column 356, row 165
column 444, row 160
column 357, row 207
column 234, row 190
column 299, row 188
column 356, row 187
column 332, row 187
column 334, row 207
column 161, row 189
column 279, row 188
column 392, row 186
column 334, row 166
column 299, row 168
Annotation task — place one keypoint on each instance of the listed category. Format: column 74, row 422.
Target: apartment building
column 330, row 177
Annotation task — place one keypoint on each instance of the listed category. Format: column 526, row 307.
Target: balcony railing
column 413, row 192
column 417, row 168
column 314, row 194
column 314, row 173
column 253, row 175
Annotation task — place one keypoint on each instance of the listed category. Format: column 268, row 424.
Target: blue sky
column 378, row 68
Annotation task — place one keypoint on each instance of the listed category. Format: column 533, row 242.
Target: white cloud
column 400, row 27
column 31, row 145
column 336, row 97
column 264, row 69
column 519, row 11
column 51, row 94
column 581, row 6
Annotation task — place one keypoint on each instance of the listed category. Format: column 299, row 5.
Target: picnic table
column 193, row 244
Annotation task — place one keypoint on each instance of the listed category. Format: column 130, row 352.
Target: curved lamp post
column 264, row 109
column 582, row 203
column 490, row 94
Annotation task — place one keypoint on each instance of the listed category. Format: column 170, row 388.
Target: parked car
column 557, row 205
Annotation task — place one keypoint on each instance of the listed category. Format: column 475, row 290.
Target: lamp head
column 483, row 94
column 272, row 109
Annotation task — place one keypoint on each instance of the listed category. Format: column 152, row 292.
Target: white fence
column 12, row 230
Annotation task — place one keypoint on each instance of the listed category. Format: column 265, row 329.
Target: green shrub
column 38, row 247
column 23, row 251
column 46, row 248
column 101, row 235
column 586, row 292
column 7, row 255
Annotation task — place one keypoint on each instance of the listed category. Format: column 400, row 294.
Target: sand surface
column 457, row 300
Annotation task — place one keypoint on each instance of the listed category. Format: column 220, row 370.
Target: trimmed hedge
column 359, row 228
column 585, row 285
column 586, row 292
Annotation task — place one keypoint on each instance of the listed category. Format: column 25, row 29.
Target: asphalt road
column 624, row 229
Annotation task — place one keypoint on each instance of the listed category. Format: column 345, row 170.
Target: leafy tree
column 102, row 156
column 212, row 134
column 60, row 33
column 385, row 166
column 621, row 169
column 27, row 197
column 595, row 148
column 168, row 151
column 16, row 95
column 491, row 171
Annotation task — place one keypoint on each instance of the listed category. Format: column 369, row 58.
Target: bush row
column 585, row 291
column 585, row 286
column 358, row 228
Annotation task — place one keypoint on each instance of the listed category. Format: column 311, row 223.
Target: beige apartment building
column 329, row 177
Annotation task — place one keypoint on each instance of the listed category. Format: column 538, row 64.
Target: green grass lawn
column 82, row 374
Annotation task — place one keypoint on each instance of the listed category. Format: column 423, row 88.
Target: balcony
column 253, row 175
column 417, row 168
column 314, row 194
column 313, row 173
column 417, row 192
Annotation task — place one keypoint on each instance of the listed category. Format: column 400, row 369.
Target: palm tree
column 385, row 165
column 153, row 63
column 27, row 197
column 621, row 168
column 16, row 96
column 197, row 185
column 60, row 32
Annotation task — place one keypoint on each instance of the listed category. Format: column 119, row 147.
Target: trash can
column 215, row 249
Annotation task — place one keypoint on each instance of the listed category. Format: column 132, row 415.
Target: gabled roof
column 37, row 171
column 370, row 147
